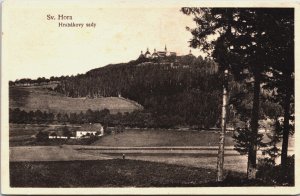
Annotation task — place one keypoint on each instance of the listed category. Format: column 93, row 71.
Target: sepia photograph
column 141, row 95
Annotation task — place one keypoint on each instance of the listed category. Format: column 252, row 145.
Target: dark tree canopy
column 255, row 44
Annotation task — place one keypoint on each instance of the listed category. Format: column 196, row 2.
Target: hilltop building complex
column 157, row 54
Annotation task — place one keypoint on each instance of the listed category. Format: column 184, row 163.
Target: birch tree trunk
column 220, row 163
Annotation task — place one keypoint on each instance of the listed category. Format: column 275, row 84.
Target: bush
column 42, row 136
column 274, row 174
column 66, row 132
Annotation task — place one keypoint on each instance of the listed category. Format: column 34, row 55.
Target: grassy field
column 121, row 173
column 50, row 153
column 106, row 173
column 198, row 158
column 170, row 137
column 40, row 98
column 23, row 134
column 161, row 137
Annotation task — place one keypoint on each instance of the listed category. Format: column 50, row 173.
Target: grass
column 39, row 98
column 160, row 137
column 106, row 173
column 23, row 134
column 16, row 130
column 120, row 173
column 163, row 155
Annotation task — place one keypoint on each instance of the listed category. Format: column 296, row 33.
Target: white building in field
column 89, row 130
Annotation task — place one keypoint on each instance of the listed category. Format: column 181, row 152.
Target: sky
column 36, row 47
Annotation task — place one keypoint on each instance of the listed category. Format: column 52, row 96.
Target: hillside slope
column 38, row 98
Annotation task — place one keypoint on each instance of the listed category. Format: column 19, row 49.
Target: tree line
column 141, row 119
column 38, row 81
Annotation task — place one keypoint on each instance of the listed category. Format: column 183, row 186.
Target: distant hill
column 40, row 98
column 182, row 90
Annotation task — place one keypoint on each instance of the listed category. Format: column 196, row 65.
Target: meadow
column 40, row 98
column 107, row 173
column 120, row 173
column 162, row 137
column 24, row 134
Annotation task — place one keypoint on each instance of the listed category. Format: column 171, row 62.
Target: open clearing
column 39, row 98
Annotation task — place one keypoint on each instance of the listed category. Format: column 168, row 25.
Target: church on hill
column 158, row 54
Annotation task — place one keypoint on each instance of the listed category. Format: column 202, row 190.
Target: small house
column 87, row 130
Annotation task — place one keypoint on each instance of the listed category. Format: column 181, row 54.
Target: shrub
column 42, row 136
column 66, row 132
column 274, row 174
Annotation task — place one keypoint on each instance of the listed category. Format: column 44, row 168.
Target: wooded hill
column 185, row 90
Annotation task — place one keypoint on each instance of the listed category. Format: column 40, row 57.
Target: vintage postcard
column 138, row 97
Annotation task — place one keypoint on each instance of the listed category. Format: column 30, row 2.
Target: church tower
column 147, row 54
column 141, row 55
column 166, row 51
column 154, row 55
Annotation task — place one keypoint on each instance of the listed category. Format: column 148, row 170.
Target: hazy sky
column 36, row 47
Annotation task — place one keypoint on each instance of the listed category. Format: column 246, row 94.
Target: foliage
column 247, row 42
column 184, row 89
column 271, row 147
column 269, row 172
column 42, row 136
column 38, row 81
column 66, row 132
column 243, row 140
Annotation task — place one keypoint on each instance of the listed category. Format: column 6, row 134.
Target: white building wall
column 83, row 133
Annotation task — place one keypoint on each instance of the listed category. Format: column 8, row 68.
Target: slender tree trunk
column 251, row 170
column 286, row 128
column 220, row 162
